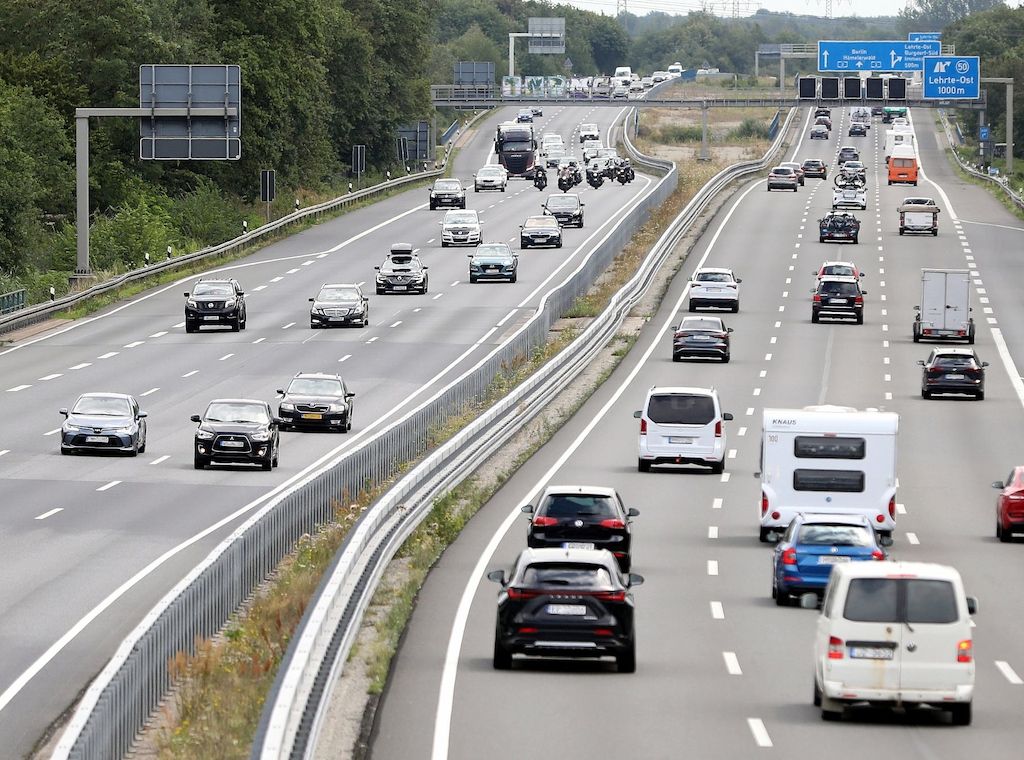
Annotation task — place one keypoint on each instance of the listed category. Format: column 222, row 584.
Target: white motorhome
column 623, row 75
column 828, row 460
column 945, row 309
column 894, row 137
column 675, row 70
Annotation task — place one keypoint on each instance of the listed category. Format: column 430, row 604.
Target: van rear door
column 868, row 653
column 931, row 635
column 681, row 424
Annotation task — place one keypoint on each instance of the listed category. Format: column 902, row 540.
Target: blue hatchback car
column 812, row 544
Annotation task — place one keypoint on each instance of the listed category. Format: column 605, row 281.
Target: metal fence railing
column 1016, row 196
column 294, row 711
column 12, row 301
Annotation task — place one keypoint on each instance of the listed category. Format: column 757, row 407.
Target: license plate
column 577, row 545
column 837, row 300
column 871, row 653
column 232, row 444
column 312, row 416
column 680, row 439
column 701, row 337
column 566, row 609
column 95, row 439
column 211, row 317
column 714, row 290
column 830, row 560
column 398, row 287
column 954, row 377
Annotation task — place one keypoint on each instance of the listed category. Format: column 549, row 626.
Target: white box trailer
column 828, row 460
column 945, row 309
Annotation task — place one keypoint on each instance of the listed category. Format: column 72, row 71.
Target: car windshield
column 918, row 202
column 714, row 277
column 565, row 574
column 698, row 323
column 517, row 145
column 315, row 386
column 491, row 250
column 338, row 294
column 571, row 505
column 213, row 289
column 839, row 289
column 853, row 165
column 954, row 360
column 588, row 128
column 840, row 270
column 563, row 201
column 102, row 406
column 877, row 600
column 447, row 184
column 813, row 164
column 400, row 259
column 833, row 535
column 490, row 171
column 460, row 217
column 540, row 222
column 681, row 409
column 782, row 170
column 236, row 412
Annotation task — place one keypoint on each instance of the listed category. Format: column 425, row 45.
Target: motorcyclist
column 540, row 177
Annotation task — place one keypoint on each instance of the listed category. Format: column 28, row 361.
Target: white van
column 682, row 426
column 894, row 634
column 828, row 460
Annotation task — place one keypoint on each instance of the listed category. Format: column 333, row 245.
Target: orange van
column 903, row 165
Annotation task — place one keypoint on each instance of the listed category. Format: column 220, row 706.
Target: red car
column 1010, row 505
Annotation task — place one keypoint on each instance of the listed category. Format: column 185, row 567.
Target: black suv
column 838, row 297
column 582, row 517
column 316, row 400
column 848, row 153
column 857, row 129
column 402, row 272
column 447, row 192
column 238, row 431
column 953, row 370
column 815, row 167
column 566, row 208
column 565, row 603
column 215, row 302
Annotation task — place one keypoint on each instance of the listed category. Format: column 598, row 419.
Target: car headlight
column 191, row 303
column 230, row 303
column 380, row 278
column 359, row 308
column 204, row 435
column 124, row 429
column 286, row 407
column 262, row 435
column 338, row 406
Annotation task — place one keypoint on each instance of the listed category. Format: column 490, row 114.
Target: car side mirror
column 65, row 413
column 984, row 364
column 632, row 512
column 636, row 414
column 498, row 576
column 279, row 392
column 350, row 394
column 738, row 281
column 526, row 509
column 196, row 418
column 727, row 416
column 921, row 362
column 972, row 605
column 863, row 292
column 312, row 300
column 377, row 268
column 996, row 484
column 728, row 329
column 186, row 294
column 809, row 601
column 275, row 420
column 635, row 579
column 240, row 293
column 582, row 205
column 426, row 267
column 142, row 415
column 469, row 255
column 885, row 541
column 675, row 327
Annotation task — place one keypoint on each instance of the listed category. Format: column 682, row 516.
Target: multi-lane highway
column 721, row 671
column 89, row 543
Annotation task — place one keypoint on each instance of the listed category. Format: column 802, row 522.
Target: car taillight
column 722, row 336
column 518, row 593
column 611, row 596
column 544, row 522
column 764, row 503
column 643, row 426
column 858, row 299
column 718, row 429
column 789, row 556
column 880, row 518
column 604, row 632
column 817, row 298
column 892, row 508
column 965, row 651
column 1015, row 497
column 878, row 554
column 612, row 522
column 835, row 648
column 526, row 629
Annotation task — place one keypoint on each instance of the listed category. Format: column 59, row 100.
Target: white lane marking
column 134, row 343
column 189, row 374
column 160, row 334
column 52, row 432
column 108, row 486
column 258, row 340
column 1004, row 668
column 486, row 335
column 446, row 689
column 259, row 288
column 437, row 296
column 108, row 355
column 507, row 317
column 307, row 263
column 732, row 663
column 785, row 294
column 54, row 376
column 760, row 732
column 371, row 340
column 396, row 324
column 17, row 388
column 885, row 360
column 712, row 567
column 778, row 324
column 717, row 611
column 725, row 477
column 226, row 356
column 888, row 396
column 345, row 358
column 712, row 531
column 292, row 271
column 885, row 328
column 454, row 284
column 180, row 324
column 991, row 320
column 982, row 299
column 1008, row 364
column 913, row 539
column 4, row 451
column 732, row 453
column 418, row 308
column 51, row 513
column 276, row 279
column 361, row 283
column 321, row 255
column 987, row 310
column 774, row 340
column 757, row 391
column 716, row 504
column 290, row 324
column 742, row 431
column 782, row 308
column 901, row 508
column 151, row 390
column 763, row 373
column 158, row 460
column 885, row 344
column 767, row 357
column 750, row 411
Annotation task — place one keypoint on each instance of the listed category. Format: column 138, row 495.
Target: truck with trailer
column 944, row 312
column 516, row 148
column 828, row 460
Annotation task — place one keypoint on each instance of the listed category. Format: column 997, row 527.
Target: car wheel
column 514, row 278
column 64, row 451
column 817, row 694
column 476, row 189
column 191, row 328
column 925, row 394
column 814, row 317
column 472, row 279
column 268, row 463
column 245, row 321
column 642, row 465
column 725, row 359
column 523, row 244
column 444, row 244
column 762, row 535
column 236, row 325
column 831, row 710
column 200, row 462
column 277, row 457
column 917, row 335
column 676, row 358
column 860, row 319
column 502, row 657
column 718, row 467
column 380, row 291
column 980, row 395
column 1002, row 535
column 781, row 598
column 856, row 239
column 348, row 422
column 960, row 713
column 626, row 659
column 432, row 207
column 502, row 188
column 142, row 448
column 970, row 337
column 736, row 308
column 692, row 306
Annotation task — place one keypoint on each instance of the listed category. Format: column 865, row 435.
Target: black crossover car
column 493, row 261
column 848, row 153
column 566, row 208
column 237, row 431
column 339, row 304
column 702, row 337
column 447, row 192
column 857, row 129
column 215, row 302
column 316, row 400
column 104, row 422
column 953, row 370
column 540, row 230
column 565, row 603
column 582, row 517
column 402, row 272
column 815, row 167
column 838, row 297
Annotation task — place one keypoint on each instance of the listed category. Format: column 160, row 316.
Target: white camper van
column 945, row 309
column 894, row 633
column 828, row 460
column 894, row 137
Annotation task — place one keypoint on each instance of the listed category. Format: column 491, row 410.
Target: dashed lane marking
column 913, row 539
column 134, row 343
column 346, row 357
column 108, row 355
column 160, row 334
column 51, row 513
column 732, row 663
column 712, row 567
column 108, row 486
column 761, row 737
column 54, row 376
column 17, row 388
column 712, row 531
column 717, row 611
column 149, row 392
column 716, row 504
column 226, row 356
column 52, row 432
column 158, row 460
column 189, row 374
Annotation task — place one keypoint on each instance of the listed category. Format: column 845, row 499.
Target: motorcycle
column 594, row 179
column 566, row 180
column 540, row 179
column 625, row 174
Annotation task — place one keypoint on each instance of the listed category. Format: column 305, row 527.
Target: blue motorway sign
column 952, row 77
column 875, row 56
column 919, row 36
column 983, row 133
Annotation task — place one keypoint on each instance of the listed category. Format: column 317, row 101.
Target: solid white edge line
column 446, row 690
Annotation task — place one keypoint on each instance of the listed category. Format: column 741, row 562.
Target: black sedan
column 566, row 208
column 953, row 370
column 540, row 230
column 565, row 603
column 316, row 400
column 339, row 304
column 582, row 517
column 493, row 261
column 237, row 431
column 702, row 337
column 104, row 422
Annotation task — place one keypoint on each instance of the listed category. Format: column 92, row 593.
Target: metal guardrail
column 450, row 132
column 295, row 708
column 1017, row 197
column 12, row 301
